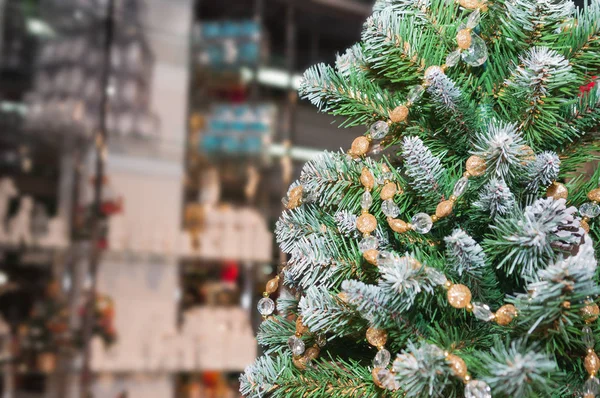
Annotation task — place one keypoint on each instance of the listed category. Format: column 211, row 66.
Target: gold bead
column 469, row 307
column 300, row 362
column 366, row 223
column 272, row 285
column 566, row 304
column 385, row 168
column 458, row 366
column 399, row 114
column 590, row 312
column 388, row 191
column 377, row 337
column 447, row 285
column 371, row 256
column 360, row 146
column 413, row 262
column 467, row 377
column 343, row 296
column 584, row 224
column 506, row 314
column 444, row 209
column 476, row 166
column 594, row 195
column 265, row 294
column 459, row 296
column 453, row 198
column 367, row 179
column 557, row 191
column 300, row 327
column 469, row 4
column 398, row 225
column 295, row 197
column 463, row 38
column 376, row 380
column 592, row 363
column 312, row 353
column 589, row 395
column 434, row 218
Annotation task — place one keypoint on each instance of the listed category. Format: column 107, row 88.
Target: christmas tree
column 451, row 251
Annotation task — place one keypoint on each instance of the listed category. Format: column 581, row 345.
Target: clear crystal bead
column 265, row 306
column 296, row 345
column 379, row 130
column 588, row 337
column 477, row 54
column 422, row 223
column 474, row 19
column 368, row 243
column 592, row 386
column 389, row 208
column 382, row 358
column 385, row 258
column 375, row 150
column 589, row 210
column 436, row 276
column 321, row 340
column 452, row 58
column 460, row 187
column 366, row 201
column 477, row 389
column 415, row 93
column 482, row 312
column 285, row 200
column 388, row 379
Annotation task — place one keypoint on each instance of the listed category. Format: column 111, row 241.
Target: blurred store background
column 145, row 146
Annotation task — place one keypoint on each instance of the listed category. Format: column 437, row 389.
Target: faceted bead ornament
column 367, row 179
column 360, row 146
column 453, row 58
column 482, row 312
column 463, row 38
column 436, row 276
column 506, row 314
column 444, row 209
column 590, row 210
column 557, row 191
column 460, row 187
column 588, row 337
column 594, row 195
column 388, row 191
column 422, row 223
column 296, row 345
column 592, row 363
column 477, row 53
column 458, row 366
column 399, row 114
column 382, row 358
column 265, row 306
column 389, row 208
column 272, row 285
column 366, row 223
column 415, row 93
column 399, row 226
column 592, row 386
column 590, row 312
column 368, row 243
column 376, row 337
column 477, row 389
column 459, row 296
column 366, row 200
column 476, row 166
column 371, row 256
column 386, row 258
column 379, row 130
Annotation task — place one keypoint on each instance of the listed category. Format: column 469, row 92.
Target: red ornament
column 586, row 88
column 230, row 272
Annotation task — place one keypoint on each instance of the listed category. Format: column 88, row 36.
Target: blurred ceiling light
column 296, row 153
column 3, row 278
column 272, row 77
column 37, row 27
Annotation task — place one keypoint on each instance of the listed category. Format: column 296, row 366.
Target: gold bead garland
column 588, row 210
column 475, row 166
column 591, row 362
column 459, row 369
column 266, row 305
column 378, row 338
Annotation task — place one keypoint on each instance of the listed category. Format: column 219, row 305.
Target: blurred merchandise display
column 227, row 43
column 238, row 130
column 70, row 77
column 30, row 225
column 103, row 320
